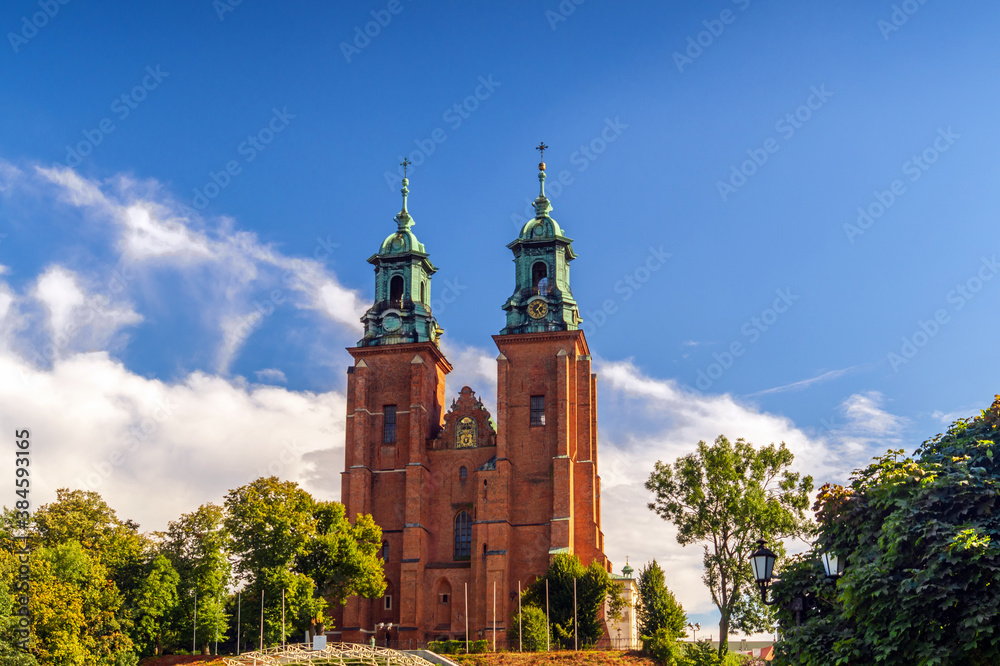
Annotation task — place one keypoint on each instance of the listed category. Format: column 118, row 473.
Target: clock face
column 537, row 309
column 391, row 323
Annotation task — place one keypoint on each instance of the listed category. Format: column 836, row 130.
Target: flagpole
column 548, row 626
column 520, row 622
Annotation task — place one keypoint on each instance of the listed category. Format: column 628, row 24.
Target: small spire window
column 396, row 291
column 389, row 424
column 540, row 277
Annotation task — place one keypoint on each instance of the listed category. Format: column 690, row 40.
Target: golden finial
column 541, row 150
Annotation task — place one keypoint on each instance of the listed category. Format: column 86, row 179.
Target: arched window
column 463, row 536
column 540, row 277
column 396, row 290
column 463, row 473
column 385, row 551
column 423, row 292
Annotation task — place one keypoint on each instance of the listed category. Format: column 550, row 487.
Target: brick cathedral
column 466, row 502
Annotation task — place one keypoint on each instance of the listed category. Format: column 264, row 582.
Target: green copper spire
column 542, row 298
column 403, row 219
column 401, row 313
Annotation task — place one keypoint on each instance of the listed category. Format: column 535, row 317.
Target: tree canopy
column 726, row 496
column 593, row 586
column 921, row 536
column 102, row 593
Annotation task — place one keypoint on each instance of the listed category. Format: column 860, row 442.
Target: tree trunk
column 723, row 633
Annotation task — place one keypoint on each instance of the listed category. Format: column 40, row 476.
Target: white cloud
column 153, row 230
column 644, row 419
column 78, row 319
column 154, row 449
column 271, row 375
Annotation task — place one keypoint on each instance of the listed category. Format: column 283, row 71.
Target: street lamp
column 695, row 628
column 762, row 563
column 833, row 565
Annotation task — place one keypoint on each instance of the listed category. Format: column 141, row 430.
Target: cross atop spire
column 541, row 147
column 406, row 162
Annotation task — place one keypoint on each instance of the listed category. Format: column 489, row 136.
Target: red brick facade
column 459, row 502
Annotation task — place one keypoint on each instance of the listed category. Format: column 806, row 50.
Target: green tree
column 726, row 496
column 531, row 628
column 197, row 545
column 341, row 558
column 75, row 608
column 10, row 655
column 921, row 537
column 286, row 541
column 593, row 586
column 660, row 617
column 154, row 600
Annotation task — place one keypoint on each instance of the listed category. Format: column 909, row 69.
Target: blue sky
column 740, row 138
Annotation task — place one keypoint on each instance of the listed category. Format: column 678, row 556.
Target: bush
column 533, row 622
column 663, row 647
column 458, row 647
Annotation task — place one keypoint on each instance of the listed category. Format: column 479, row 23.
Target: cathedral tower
column 395, row 397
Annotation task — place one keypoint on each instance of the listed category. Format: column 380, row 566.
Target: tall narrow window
column 463, row 536
column 540, row 277
column 385, row 551
column 396, row 291
column 423, row 292
column 463, row 472
column 538, row 410
column 389, row 424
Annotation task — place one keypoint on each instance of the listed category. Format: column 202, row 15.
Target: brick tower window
column 463, row 536
column 389, row 424
column 462, row 472
column 538, row 410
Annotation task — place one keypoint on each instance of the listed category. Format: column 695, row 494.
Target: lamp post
column 762, row 563
column 695, row 628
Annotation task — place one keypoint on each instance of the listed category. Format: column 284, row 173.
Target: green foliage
column 10, row 655
column 727, row 495
column 197, row 546
column 155, row 598
column 662, row 645
column 458, row 647
column 922, row 540
column 657, row 608
column 531, row 627
column 702, row 653
column 593, row 586
column 344, row 559
column 287, row 541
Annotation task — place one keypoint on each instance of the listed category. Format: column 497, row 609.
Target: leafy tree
column 10, row 655
column 922, row 540
column 658, row 608
column 75, row 608
column 285, row 540
column 197, row 546
column 593, row 586
column 84, row 517
column 155, row 598
column 343, row 559
column 726, row 496
column 531, row 628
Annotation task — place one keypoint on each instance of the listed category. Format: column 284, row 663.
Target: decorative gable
column 467, row 425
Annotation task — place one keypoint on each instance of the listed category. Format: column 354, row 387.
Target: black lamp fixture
column 833, row 565
column 762, row 563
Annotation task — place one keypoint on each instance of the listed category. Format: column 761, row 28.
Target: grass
column 564, row 658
